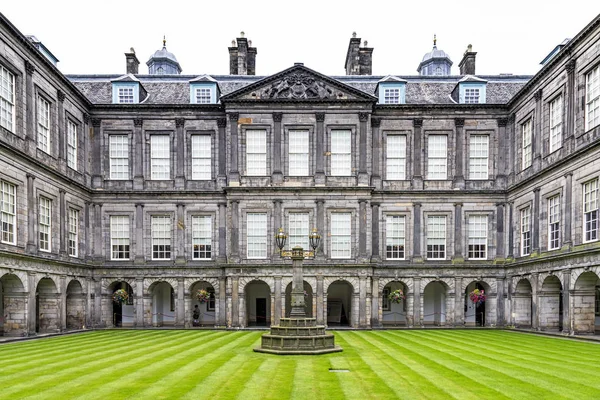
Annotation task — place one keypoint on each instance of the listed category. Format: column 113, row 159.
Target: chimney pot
column 131, row 62
column 467, row 64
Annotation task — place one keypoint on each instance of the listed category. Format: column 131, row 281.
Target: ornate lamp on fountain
column 298, row 334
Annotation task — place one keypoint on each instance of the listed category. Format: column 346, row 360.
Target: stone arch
column 311, row 280
column 584, row 298
column 576, row 273
column 491, row 284
column 76, row 304
column 159, row 302
column 392, row 313
column 150, row 283
column 435, row 299
column 352, row 280
column 53, row 278
column 256, row 305
column 190, row 282
column 106, row 284
column 119, row 314
column 407, row 282
column 550, row 302
column 207, row 311
column 47, row 299
column 22, row 275
column 447, row 282
column 543, row 276
column 522, row 295
column 341, row 302
column 13, row 304
column 481, row 314
column 248, row 279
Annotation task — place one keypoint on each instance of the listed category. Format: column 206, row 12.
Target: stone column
column 138, row 156
column 63, row 221
column 180, row 310
column 321, row 317
column 511, row 229
column 222, row 317
column 537, row 131
column 222, row 258
column 500, row 315
column 417, row 302
column 535, row 315
column 375, row 304
column 376, row 153
column 139, row 234
column 30, row 106
column 235, row 300
column 363, row 176
column 362, row 230
column 500, row 231
column 458, row 242
column 501, row 179
column 535, row 216
column 85, row 167
column 222, row 154
column 567, row 240
column 570, row 103
column 31, row 216
column 566, row 300
column 98, row 304
column 320, row 151
column 180, row 235
column 320, row 225
column 277, row 175
column 85, row 250
column 417, row 256
column 235, row 231
column 97, row 154
column 362, row 301
column 278, row 308
column 63, row 303
column 180, row 171
column 512, row 161
column 31, row 303
column 234, row 172
column 459, row 177
column 375, row 255
column 459, row 302
column 89, row 304
column 98, row 233
column 139, row 303
column 417, row 181
column 60, row 95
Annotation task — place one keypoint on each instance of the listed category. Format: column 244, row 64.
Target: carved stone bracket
column 277, row 117
column 221, row 122
column 320, row 117
column 86, row 118
column 538, row 95
column 417, row 123
column 363, row 117
column 138, row 122
column 375, row 122
column 459, row 122
column 234, row 116
column 502, row 122
column 511, row 119
column 60, row 95
column 96, row 122
column 179, row 122
column 29, row 67
column 570, row 66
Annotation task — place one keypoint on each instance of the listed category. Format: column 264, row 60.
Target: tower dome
column 163, row 62
column 435, row 62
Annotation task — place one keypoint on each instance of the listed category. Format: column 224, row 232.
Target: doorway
column 261, row 312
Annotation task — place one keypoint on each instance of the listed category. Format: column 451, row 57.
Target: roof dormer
column 127, row 89
column 204, row 90
column 391, row 90
column 470, row 90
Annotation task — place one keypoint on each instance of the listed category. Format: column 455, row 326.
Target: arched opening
column 258, row 304
column 75, row 305
column 434, row 303
column 585, row 299
column 393, row 312
column 308, row 299
column 12, row 306
column 46, row 303
column 162, row 306
column 550, row 305
column 522, row 304
column 203, row 307
column 339, row 304
column 122, row 311
column 478, row 313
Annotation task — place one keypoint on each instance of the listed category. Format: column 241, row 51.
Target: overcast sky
column 509, row 36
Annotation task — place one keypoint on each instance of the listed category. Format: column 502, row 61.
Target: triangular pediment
column 298, row 83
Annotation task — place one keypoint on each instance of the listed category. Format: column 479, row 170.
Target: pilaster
column 277, row 175
column 459, row 177
column 376, row 153
column 234, row 173
column 417, row 180
column 375, row 255
column 363, row 176
column 320, row 151
column 180, row 154
column 222, row 146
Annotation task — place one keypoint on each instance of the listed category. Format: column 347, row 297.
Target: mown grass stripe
column 273, row 379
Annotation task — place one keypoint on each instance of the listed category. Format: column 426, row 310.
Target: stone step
column 298, row 330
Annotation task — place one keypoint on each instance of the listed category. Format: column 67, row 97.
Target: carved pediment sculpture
column 298, row 86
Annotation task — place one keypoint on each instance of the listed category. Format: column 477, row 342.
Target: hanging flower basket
column 397, row 296
column 203, row 296
column 120, row 296
column 477, row 296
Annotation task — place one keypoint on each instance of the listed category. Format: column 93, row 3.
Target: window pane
column 119, row 156
column 119, row 237
column 160, row 153
column 203, row 95
column 73, row 242
column 391, row 96
column 202, row 237
column 396, row 157
column 554, row 222
column 45, row 223
column 341, row 151
column 43, row 124
column 256, row 153
column 298, row 153
column 8, row 212
column 71, row 145
column 161, row 238
column 592, row 98
column 437, row 167
column 298, row 230
column 477, row 241
column 257, row 235
column 527, row 137
column 590, row 210
column 436, row 237
column 7, row 99
column 478, row 156
column 201, row 157
column 341, row 225
column 394, row 237
column 556, row 124
column 525, row 231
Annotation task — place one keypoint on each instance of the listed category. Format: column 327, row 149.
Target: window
column 590, row 210
column 45, row 223
column 201, row 157
column 256, row 153
column 73, row 242
column 385, row 300
column 161, row 238
column 525, row 231
column 341, row 150
column 125, row 95
column 203, row 95
column 436, row 237
column 119, row 237
column 556, row 107
column 298, row 230
column 119, row 156
column 478, row 237
column 8, row 213
column 43, row 124
column 396, row 157
column 298, row 153
column 391, row 96
column 527, row 137
column 202, row 237
column 592, row 98
column 257, row 235
column 437, row 160
column 160, row 155
column 71, row 145
column 478, row 156
column 395, row 236
column 554, row 222
column 7, row 99
column 471, row 95
column 341, row 228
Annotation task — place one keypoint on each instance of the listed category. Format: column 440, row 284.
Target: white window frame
column 71, row 145
column 590, row 210
column 472, row 95
column 120, row 248
column 556, row 116
column 479, row 154
column 45, row 224
column 395, row 157
column 125, row 95
column 437, row 157
column 7, row 99
column 395, row 237
column 202, row 229
column 118, row 157
column 8, row 212
column 554, row 222
column 160, row 157
column 298, row 230
column 592, row 98
column 341, row 235
column 256, row 152
column 256, row 235
column 436, row 237
column 341, row 152
column 477, row 231
column 203, row 95
column 201, row 157
column 298, row 152
column 161, row 227
column 525, row 223
column 391, row 96
column 43, row 124
column 73, row 233
column 527, row 136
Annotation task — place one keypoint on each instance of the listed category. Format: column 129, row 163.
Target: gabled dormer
column 470, row 90
column 204, row 90
column 127, row 89
column 391, row 90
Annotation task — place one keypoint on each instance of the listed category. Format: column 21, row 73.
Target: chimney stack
column 133, row 63
column 242, row 58
column 359, row 60
column 467, row 64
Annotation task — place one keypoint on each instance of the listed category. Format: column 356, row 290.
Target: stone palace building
column 162, row 184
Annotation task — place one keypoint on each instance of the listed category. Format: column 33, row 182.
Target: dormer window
column 203, row 95
column 127, row 90
column 471, row 95
column 125, row 95
column 470, row 90
column 391, row 90
column 391, row 96
column 204, row 90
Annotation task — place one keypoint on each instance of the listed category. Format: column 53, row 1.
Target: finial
column 434, row 40
column 233, row 43
column 353, row 35
column 132, row 50
column 242, row 34
column 366, row 43
column 164, row 41
column 250, row 43
column 470, row 48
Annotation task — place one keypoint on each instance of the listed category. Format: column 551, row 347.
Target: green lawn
column 432, row 364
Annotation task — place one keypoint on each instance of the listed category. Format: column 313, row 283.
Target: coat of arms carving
column 298, row 86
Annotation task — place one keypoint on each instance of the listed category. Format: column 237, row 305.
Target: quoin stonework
column 164, row 184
